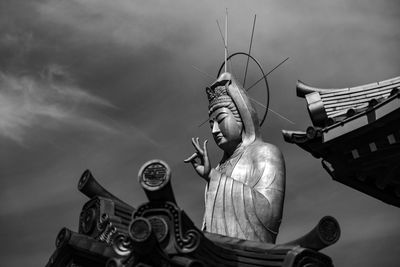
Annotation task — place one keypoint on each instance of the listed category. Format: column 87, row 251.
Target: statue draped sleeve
column 246, row 202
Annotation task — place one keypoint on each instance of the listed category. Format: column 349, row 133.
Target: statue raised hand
column 204, row 167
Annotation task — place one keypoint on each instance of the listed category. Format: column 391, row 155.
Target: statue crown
column 218, row 92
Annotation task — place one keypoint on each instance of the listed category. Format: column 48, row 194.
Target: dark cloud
column 109, row 85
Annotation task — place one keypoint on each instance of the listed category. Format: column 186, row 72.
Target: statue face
column 227, row 132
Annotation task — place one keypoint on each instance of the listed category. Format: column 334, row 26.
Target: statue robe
column 244, row 197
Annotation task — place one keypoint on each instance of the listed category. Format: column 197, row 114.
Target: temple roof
column 159, row 233
column 328, row 106
column 356, row 133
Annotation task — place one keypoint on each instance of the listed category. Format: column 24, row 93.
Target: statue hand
column 204, row 167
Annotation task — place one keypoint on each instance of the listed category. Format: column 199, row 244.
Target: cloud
column 46, row 100
column 72, row 72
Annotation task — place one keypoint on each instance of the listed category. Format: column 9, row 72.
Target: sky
column 108, row 85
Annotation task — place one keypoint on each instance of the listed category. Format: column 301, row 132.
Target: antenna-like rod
column 203, row 72
column 276, row 113
column 251, row 42
column 226, row 38
column 223, row 42
column 277, row 66
column 220, row 32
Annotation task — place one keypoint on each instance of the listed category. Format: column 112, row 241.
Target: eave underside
column 362, row 152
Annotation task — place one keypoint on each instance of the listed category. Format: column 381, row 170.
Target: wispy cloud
column 28, row 101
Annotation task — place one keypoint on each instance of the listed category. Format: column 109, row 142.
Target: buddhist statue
column 245, row 192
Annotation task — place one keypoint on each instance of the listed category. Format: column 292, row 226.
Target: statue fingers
column 205, row 147
column 196, row 145
column 205, row 150
column 206, row 160
column 191, row 158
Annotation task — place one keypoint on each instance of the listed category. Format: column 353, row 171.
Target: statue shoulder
column 262, row 151
column 269, row 161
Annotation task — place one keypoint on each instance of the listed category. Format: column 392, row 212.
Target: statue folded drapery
column 245, row 192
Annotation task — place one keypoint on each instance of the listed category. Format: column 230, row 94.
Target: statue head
column 233, row 119
column 225, row 121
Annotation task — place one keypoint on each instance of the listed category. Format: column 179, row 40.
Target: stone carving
column 245, row 191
